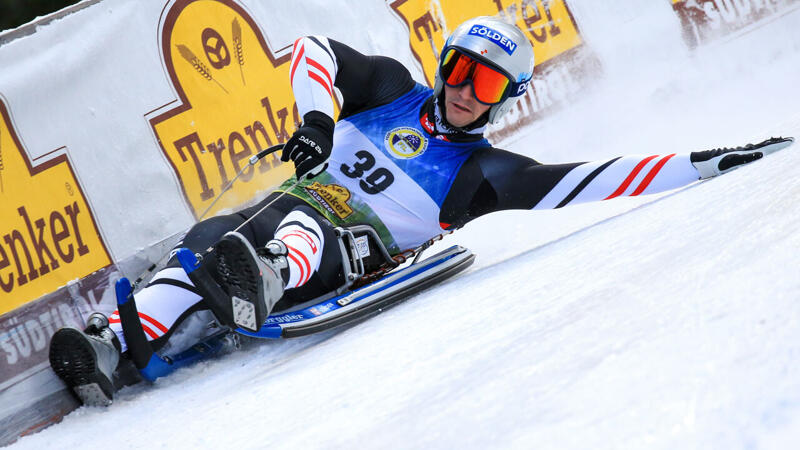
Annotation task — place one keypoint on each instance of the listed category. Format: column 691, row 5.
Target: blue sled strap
column 148, row 362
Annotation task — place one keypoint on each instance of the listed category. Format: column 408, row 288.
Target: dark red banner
column 706, row 20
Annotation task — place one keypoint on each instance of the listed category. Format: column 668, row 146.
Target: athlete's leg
column 313, row 250
column 171, row 311
column 302, row 261
column 173, row 314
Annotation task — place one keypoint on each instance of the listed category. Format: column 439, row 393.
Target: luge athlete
column 408, row 160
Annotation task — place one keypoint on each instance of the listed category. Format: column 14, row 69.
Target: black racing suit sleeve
column 368, row 81
column 495, row 180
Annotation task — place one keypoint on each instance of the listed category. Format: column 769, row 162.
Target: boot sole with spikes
column 240, row 276
column 74, row 360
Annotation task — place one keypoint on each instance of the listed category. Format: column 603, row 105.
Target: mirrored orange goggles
column 489, row 85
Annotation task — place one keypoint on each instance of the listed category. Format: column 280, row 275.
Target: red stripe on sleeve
column 295, row 63
column 319, row 80
column 294, row 47
column 652, row 174
column 321, row 68
column 630, row 177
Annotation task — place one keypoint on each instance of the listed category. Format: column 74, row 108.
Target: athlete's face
column 461, row 107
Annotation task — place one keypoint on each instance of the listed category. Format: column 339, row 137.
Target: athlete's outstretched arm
column 624, row 176
column 641, row 175
column 511, row 181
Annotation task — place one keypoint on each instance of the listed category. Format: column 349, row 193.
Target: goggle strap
column 517, row 89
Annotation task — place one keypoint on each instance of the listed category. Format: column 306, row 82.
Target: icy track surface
column 667, row 322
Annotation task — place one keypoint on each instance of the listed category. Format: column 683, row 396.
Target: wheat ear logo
column 236, row 32
column 198, row 65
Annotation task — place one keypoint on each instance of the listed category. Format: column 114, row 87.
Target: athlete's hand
column 710, row 163
column 310, row 145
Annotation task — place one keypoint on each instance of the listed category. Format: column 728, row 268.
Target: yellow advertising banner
column 48, row 235
column 235, row 100
column 549, row 25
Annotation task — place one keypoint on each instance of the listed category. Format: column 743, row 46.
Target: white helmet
column 497, row 44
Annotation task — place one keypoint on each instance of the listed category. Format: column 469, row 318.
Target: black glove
column 310, row 145
column 710, row 163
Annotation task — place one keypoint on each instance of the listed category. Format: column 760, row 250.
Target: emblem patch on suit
column 405, row 142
